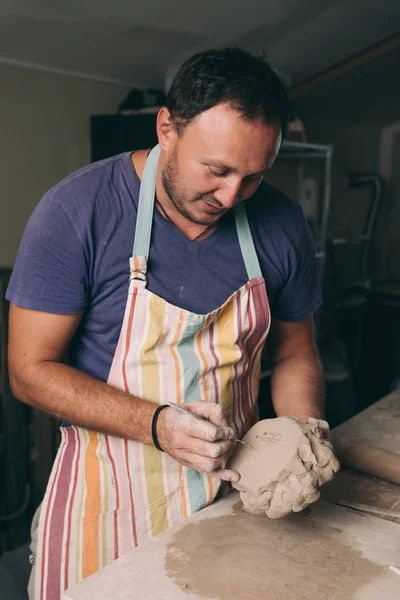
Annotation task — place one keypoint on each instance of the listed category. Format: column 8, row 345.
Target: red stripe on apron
column 116, row 496
column 128, row 339
column 130, row 492
column 251, row 341
column 76, row 442
column 238, row 405
column 217, row 362
column 55, row 526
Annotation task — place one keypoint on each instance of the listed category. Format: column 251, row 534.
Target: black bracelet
column 154, row 426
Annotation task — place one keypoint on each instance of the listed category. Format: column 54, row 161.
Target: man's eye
column 218, row 173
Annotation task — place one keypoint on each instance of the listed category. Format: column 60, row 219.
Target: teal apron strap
column 145, row 212
column 246, row 242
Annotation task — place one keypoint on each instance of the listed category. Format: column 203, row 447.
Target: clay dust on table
column 247, row 557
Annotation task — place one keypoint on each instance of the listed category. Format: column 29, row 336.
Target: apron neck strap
column 246, row 242
column 144, row 221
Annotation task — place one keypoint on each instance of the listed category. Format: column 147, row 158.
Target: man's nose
column 228, row 194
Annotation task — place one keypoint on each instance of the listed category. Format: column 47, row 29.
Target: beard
column 171, row 183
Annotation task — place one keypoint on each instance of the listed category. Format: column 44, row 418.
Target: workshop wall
column 44, row 124
column 388, row 231
column 356, row 150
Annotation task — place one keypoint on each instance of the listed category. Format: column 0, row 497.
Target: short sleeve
column 301, row 294
column 50, row 272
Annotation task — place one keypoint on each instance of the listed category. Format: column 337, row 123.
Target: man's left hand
column 323, row 427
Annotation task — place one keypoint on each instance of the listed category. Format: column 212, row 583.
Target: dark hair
column 231, row 75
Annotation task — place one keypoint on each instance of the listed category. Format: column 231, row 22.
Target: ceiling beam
column 10, row 62
column 346, row 66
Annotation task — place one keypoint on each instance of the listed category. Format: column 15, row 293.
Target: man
column 188, row 327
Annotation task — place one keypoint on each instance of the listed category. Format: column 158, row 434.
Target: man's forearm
column 82, row 400
column 297, row 387
column 77, row 398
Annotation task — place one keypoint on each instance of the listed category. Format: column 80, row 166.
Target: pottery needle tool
column 395, row 570
column 187, row 412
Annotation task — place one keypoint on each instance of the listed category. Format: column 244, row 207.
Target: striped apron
column 106, row 495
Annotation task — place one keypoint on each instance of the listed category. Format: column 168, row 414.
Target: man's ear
column 166, row 131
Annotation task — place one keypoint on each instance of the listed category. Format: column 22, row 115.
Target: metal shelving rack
column 305, row 151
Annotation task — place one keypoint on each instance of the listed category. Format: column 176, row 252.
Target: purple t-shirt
column 74, row 256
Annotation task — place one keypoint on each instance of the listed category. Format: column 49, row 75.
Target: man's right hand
column 198, row 444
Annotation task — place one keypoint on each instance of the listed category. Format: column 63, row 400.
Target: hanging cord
column 164, row 212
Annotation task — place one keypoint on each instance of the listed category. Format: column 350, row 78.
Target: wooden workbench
column 326, row 552
column 354, row 487
column 377, row 426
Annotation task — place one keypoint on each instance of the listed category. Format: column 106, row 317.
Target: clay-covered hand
column 201, row 445
column 322, row 426
column 290, row 461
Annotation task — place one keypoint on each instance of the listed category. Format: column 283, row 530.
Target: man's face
column 219, row 160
